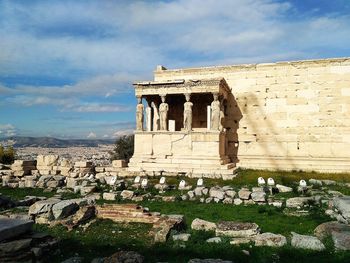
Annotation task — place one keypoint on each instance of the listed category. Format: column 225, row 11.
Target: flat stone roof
column 181, row 86
column 255, row 65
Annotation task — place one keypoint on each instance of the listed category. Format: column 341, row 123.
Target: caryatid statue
column 215, row 113
column 155, row 116
column 188, row 113
column 163, row 112
column 139, row 114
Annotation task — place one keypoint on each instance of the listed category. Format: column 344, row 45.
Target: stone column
column 188, row 113
column 215, row 113
column 139, row 114
column 155, row 117
column 148, row 118
column 163, row 112
column 148, row 112
column 208, row 117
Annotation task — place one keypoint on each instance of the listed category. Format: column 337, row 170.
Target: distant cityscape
column 28, row 148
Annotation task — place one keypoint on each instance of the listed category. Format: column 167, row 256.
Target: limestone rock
column 296, row 202
column 200, row 224
column 205, row 191
column 343, row 206
column 10, row 228
column 190, row 194
column 257, row 189
column 244, row 194
column 109, row 196
column 230, row 193
column 236, row 229
column 119, row 163
column 125, row 257
column 241, row 240
column 306, row 242
column 47, row 160
column 284, row 189
column 127, row 194
column 85, row 190
column 43, row 206
column 214, row 240
column 276, row 203
column 83, row 164
column 217, row 192
column 237, row 201
column 341, row 240
column 315, row 182
column 270, row 240
column 168, row 198
column 64, row 208
column 198, row 190
column 181, row 237
column 326, row 229
column 227, row 200
column 258, row 196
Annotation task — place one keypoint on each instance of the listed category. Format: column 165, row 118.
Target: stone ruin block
column 119, row 163
column 47, row 160
column 47, row 164
column 83, row 164
column 22, row 167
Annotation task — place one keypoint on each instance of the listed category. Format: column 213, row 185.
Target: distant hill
column 52, row 142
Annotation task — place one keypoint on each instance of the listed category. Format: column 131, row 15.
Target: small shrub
column 7, row 155
column 124, row 148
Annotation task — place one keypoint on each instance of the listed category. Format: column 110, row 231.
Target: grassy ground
column 20, row 193
column 105, row 237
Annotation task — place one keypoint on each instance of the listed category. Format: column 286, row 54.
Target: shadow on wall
column 233, row 115
column 252, row 108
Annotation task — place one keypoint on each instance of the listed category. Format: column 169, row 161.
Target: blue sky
column 67, row 67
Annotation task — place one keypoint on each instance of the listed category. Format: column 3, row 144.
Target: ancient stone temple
column 281, row 116
column 187, row 127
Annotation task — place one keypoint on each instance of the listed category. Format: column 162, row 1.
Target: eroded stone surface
column 306, row 242
column 343, row 206
column 270, row 239
column 325, row 229
column 200, row 224
column 236, row 229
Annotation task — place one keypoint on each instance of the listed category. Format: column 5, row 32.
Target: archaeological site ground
column 241, row 163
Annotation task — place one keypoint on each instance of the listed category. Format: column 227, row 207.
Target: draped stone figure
column 215, row 113
column 188, row 113
column 155, row 116
column 163, row 112
column 139, row 115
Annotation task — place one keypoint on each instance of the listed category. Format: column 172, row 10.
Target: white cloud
column 91, row 135
column 98, row 107
column 7, row 130
column 122, row 132
column 71, row 97
column 65, row 38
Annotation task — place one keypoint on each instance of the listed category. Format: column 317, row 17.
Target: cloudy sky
column 66, row 67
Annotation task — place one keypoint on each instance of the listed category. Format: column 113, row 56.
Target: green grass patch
column 102, row 238
column 269, row 218
column 20, row 193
